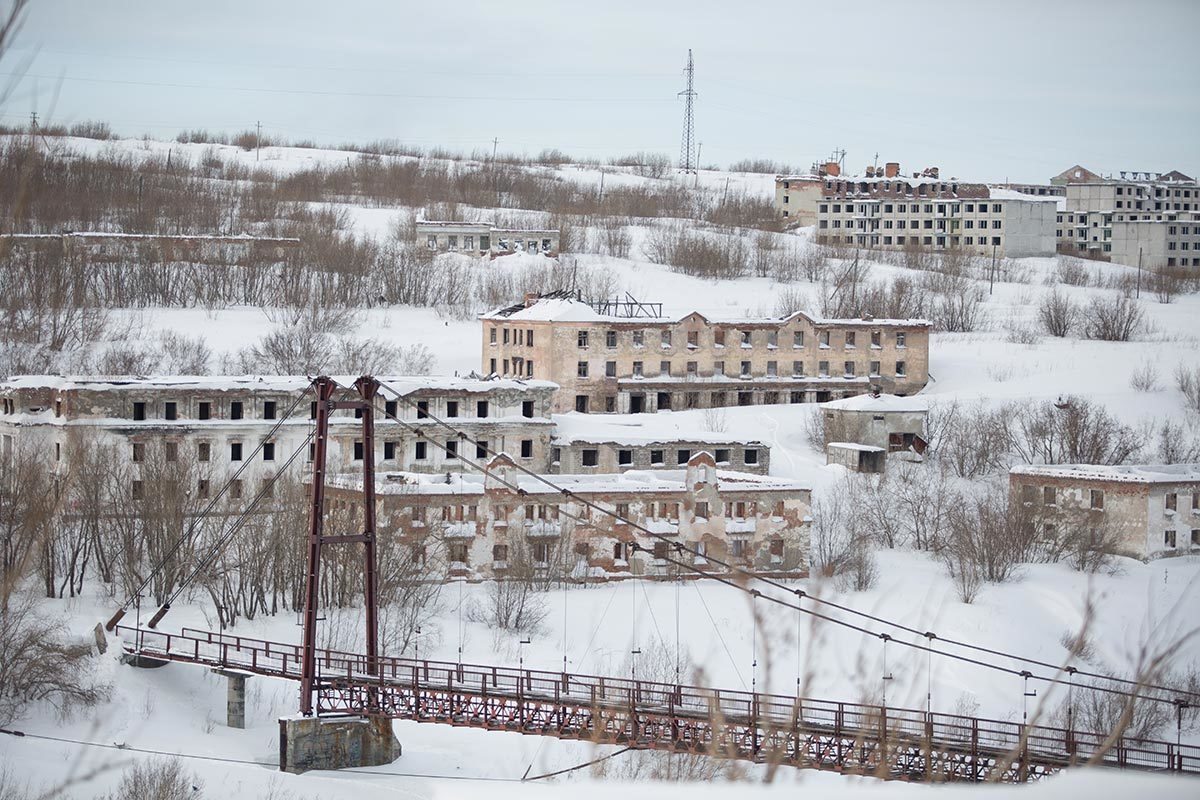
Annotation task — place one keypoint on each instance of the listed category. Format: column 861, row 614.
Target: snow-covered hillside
column 179, row 709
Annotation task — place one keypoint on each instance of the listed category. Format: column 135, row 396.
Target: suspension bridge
column 880, row 740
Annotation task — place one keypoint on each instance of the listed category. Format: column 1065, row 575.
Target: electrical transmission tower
column 687, row 151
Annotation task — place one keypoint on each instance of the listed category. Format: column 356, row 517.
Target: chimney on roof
column 530, row 298
column 932, row 171
column 870, row 171
column 832, row 169
column 891, row 169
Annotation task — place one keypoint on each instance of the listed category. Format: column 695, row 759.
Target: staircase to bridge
column 884, row 741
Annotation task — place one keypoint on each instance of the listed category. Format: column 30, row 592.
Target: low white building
column 485, row 239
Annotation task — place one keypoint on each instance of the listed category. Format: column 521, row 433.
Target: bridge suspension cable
column 485, row 447
column 190, row 533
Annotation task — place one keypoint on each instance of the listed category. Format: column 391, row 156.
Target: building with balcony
column 507, row 524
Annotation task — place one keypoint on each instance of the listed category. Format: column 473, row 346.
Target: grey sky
column 1019, row 89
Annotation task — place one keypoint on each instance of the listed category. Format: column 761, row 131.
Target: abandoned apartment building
column 101, row 247
column 626, row 357
column 479, row 527
column 216, row 423
column 1153, row 510
column 215, row 426
column 864, row 432
column 884, row 209
column 484, row 239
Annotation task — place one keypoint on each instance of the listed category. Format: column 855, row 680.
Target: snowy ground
column 180, row 708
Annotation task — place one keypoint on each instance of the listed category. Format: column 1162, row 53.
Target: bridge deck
column 803, row 732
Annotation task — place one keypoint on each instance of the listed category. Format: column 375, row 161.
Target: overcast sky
column 989, row 90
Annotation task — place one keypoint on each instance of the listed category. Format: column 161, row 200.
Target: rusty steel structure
column 884, row 741
column 364, row 409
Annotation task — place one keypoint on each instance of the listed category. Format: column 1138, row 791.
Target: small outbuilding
column 886, row 422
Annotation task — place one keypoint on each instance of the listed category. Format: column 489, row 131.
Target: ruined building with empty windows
column 628, row 358
column 230, row 438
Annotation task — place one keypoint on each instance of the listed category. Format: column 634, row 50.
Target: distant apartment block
column 1155, row 215
column 629, row 358
column 483, row 239
column 1152, row 510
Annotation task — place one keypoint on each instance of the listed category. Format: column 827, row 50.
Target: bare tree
column 158, row 779
column 1072, row 430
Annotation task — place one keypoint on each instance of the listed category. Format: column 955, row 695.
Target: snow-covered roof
column 1126, row 473
column 559, row 309
column 634, row 481
column 880, row 403
column 997, row 193
column 404, row 384
column 656, row 429
column 862, row 448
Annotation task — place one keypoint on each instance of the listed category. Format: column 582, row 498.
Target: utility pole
column 1139, row 272
column 257, row 137
column 992, row 284
column 495, row 173
column 688, row 155
column 696, row 172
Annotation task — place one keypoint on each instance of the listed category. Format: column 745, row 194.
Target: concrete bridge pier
column 335, row 743
column 235, row 696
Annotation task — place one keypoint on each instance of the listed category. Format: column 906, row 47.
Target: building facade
column 1152, row 510
column 608, row 363
column 484, row 239
column 480, row 527
column 218, row 423
column 1116, row 218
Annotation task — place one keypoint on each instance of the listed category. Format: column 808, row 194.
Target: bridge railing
column 759, row 711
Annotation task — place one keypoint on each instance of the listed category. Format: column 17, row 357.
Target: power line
column 332, row 93
column 680, row 547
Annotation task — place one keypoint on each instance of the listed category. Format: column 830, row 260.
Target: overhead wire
column 187, row 536
column 749, row 574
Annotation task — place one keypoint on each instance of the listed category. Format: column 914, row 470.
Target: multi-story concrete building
column 1115, row 218
column 605, row 362
column 479, row 526
column 887, row 210
column 484, row 239
column 887, row 423
column 219, row 422
column 1153, row 510
column 936, row 215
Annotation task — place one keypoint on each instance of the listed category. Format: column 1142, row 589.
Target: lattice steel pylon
column 687, row 150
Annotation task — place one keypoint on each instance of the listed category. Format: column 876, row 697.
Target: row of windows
column 1169, row 538
column 927, row 241
column 741, row 338
column 1049, row 497
column 888, row 186
column 692, row 369
column 902, row 208
column 590, row 456
column 719, row 399
column 238, row 452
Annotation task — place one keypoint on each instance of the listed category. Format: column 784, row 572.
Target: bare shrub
column 1077, row 645
column 789, row 300
column 183, row 355
column 986, row 540
column 813, row 262
column 839, row 547
column 1057, row 313
column 1112, row 318
column 1178, row 443
column 1113, row 715
column 40, row 664
column 716, row 420
column 1072, row 430
column 1145, row 378
column 1187, row 380
column 1166, row 284
column 959, row 308
column 647, row 165
column 1022, row 333
column 158, row 779
column 1072, row 272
